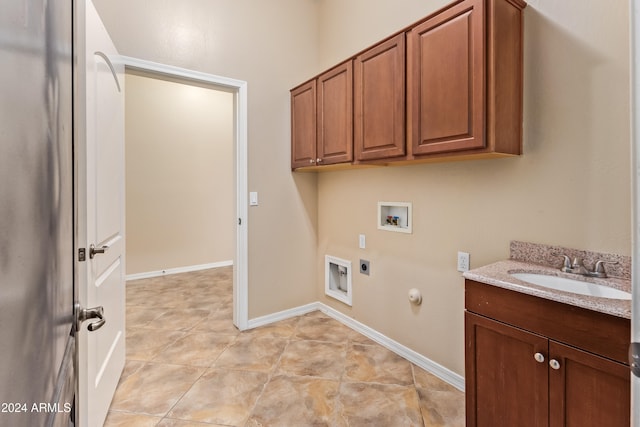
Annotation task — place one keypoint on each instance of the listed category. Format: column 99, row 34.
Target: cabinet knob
column 311, row 161
column 554, row 364
column 318, row 160
column 539, row 357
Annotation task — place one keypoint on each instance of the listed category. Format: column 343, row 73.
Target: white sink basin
column 573, row 286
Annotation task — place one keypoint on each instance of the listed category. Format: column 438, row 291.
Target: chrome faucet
column 598, row 269
column 573, row 267
column 577, row 267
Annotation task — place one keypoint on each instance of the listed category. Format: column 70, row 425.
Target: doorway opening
column 230, row 207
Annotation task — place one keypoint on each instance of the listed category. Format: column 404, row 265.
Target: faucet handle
column 598, row 268
column 566, row 263
column 577, row 263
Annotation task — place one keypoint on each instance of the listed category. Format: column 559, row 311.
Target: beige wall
column 180, row 195
column 272, row 46
column 346, row 30
column 571, row 187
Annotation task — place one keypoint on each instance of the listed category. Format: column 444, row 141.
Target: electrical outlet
column 364, row 267
column 463, row 261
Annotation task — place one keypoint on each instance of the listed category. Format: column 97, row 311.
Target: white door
column 100, row 216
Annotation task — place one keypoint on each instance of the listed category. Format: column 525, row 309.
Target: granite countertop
column 497, row 274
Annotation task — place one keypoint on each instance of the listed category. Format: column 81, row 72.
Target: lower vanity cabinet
column 505, row 386
column 587, row 390
column 524, row 368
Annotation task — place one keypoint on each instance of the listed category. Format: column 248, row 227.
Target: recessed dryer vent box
column 337, row 278
column 395, row 216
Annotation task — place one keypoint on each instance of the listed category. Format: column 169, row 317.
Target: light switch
column 253, row 198
column 362, row 241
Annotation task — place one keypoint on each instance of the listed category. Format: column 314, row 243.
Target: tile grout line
column 347, row 343
column 339, row 411
column 415, row 389
column 270, row 375
column 186, row 332
column 206, row 369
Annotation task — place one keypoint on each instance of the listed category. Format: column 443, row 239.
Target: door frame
column 239, row 89
column 634, row 25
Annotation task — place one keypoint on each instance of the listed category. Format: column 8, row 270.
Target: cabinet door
column 379, row 97
column 303, row 125
column 587, row 390
column 446, row 81
column 505, row 385
column 335, row 115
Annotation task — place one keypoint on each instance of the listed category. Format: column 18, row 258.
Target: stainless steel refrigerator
column 36, row 213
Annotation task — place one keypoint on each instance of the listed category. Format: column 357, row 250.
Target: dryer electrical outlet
column 364, row 267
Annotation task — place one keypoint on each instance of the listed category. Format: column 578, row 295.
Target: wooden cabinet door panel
column 335, row 115
column 447, row 81
column 504, row 77
column 303, row 125
column 379, row 98
column 505, row 386
column 587, row 390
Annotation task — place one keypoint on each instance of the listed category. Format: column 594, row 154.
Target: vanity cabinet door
column 303, row 125
column 587, row 390
column 446, row 81
column 505, row 384
column 379, row 101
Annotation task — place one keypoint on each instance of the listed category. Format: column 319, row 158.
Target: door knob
column 90, row 313
column 93, row 250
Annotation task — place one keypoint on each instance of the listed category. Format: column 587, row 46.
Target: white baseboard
column 282, row 315
column 177, row 270
column 417, row 359
column 414, row 357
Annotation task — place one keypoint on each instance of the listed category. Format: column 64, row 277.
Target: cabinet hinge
column 82, row 254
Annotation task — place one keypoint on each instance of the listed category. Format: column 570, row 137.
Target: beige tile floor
column 187, row 366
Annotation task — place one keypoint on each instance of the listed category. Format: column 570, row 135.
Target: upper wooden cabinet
column 335, row 115
column 379, row 86
column 322, row 119
column 449, row 86
column 303, row 125
column 465, row 80
column 447, row 81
